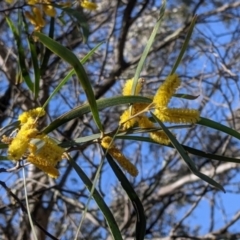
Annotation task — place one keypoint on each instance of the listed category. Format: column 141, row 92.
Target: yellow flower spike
column 49, row 10
column 160, row 137
column 106, row 141
column 47, row 157
column 50, row 170
column 9, row 1
column 32, row 2
column 49, row 152
column 166, row 90
column 17, row 148
column 138, row 107
column 88, row 5
column 144, row 122
column 19, row 144
column 36, row 18
column 27, row 133
column 34, row 113
column 123, row 161
column 175, row 115
column 127, row 88
column 118, row 156
column 125, row 120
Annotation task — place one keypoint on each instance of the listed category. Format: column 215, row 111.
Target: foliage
column 64, row 67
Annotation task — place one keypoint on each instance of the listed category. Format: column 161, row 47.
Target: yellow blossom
column 160, row 137
column 157, row 136
column 160, row 101
column 51, row 171
column 123, row 162
column 166, row 90
column 144, row 122
column 177, row 115
column 127, row 88
column 34, row 113
column 44, row 156
column 107, row 142
column 49, row 10
column 9, row 1
column 17, row 148
column 36, row 18
column 47, row 156
column 172, row 115
column 32, row 2
column 19, row 144
column 126, row 119
column 49, row 151
column 118, row 156
column 88, row 5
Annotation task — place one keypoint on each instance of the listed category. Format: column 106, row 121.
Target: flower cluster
column 172, row 115
column 37, row 148
column 40, row 8
column 106, row 143
column 88, row 5
column 126, row 119
column 135, row 114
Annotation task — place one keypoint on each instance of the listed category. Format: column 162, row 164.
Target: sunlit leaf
column 148, row 46
column 218, row 126
column 101, row 104
column 71, row 58
column 69, row 75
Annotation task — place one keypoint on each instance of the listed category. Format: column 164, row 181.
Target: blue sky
column 201, row 215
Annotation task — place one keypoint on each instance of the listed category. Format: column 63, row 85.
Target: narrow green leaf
column 34, row 57
column 185, row 44
column 185, row 156
column 185, row 96
column 218, row 126
column 141, row 219
column 47, row 53
column 101, row 104
column 70, row 73
column 186, row 148
column 80, row 140
column 7, row 130
column 36, row 69
column 71, row 58
column 116, row 234
column 148, row 47
column 21, row 55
